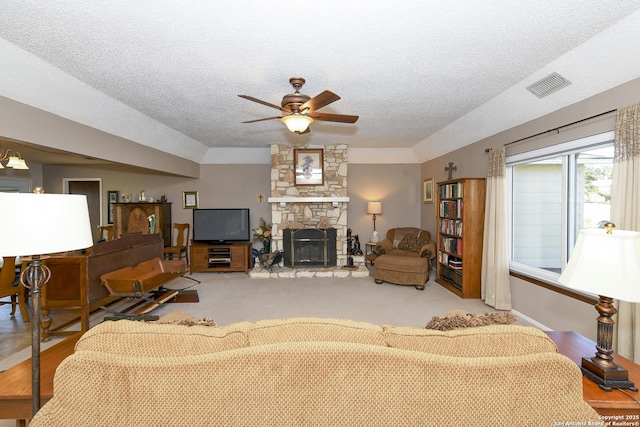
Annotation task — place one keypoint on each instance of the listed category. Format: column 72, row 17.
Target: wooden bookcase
column 460, row 235
column 224, row 257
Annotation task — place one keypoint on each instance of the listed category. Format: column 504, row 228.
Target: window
column 555, row 192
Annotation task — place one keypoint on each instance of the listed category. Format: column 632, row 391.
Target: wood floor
column 16, row 335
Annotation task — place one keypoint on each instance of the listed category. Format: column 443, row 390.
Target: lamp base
column 607, row 378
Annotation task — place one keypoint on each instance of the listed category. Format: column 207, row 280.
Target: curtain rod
column 557, row 129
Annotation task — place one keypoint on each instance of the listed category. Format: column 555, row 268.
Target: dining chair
column 10, row 287
column 108, row 229
column 179, row 243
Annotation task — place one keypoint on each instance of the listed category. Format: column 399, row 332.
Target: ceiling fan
column 300, row 110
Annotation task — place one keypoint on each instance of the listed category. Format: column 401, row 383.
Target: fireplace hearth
column 309, row 247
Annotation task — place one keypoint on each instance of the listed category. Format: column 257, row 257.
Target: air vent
column 548, row 85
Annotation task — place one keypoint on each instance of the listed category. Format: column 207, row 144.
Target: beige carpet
column 234, row 297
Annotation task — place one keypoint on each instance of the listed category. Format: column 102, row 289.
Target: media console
column 221, row 257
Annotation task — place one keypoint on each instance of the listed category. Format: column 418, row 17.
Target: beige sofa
column 313, row 372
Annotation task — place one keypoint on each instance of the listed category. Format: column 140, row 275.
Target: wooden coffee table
column 15, row 382
column 615, row 402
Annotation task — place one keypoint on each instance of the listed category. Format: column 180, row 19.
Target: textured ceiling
column 427, row 75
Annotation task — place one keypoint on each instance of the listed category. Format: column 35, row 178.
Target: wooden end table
column 369, row 253
column 615, row 402
column 15, row 382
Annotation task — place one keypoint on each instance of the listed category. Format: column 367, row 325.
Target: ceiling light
column 11, row 159
column 297, row 122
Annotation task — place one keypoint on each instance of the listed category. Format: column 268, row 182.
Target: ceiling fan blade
column 261, row 120
column 319, row 101
column 268, row 104
column 340, row 118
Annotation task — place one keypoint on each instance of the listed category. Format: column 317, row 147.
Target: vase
column 266, row 246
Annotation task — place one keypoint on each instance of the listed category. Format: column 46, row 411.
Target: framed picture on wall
column 190, row 199
column 112, row 197
column 308, row 164
column 427, row 191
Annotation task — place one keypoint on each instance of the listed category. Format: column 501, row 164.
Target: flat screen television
column 221, row 225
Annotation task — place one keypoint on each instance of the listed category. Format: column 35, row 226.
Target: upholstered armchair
column 407, row 241
column 404, row 257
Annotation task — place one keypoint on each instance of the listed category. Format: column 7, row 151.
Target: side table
column 15, row 382
column 370, row 255
column 615, row 402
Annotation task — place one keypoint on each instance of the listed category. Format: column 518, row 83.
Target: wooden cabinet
column 134, row 218
column 229, row 257
column 460, row 235
column 75, row 276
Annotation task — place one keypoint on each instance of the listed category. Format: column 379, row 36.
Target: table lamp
column 35, row 225
column 605, row 261
column 374, row 208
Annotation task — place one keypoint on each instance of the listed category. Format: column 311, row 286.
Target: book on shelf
column 451, row 226
column 455, row 263
column 451, row 191
column 451, row 245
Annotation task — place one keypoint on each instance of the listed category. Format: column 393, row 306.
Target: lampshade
column 17, row 163
column 297, row 122
column 605, row 264
column 38, row 224
column 374, row 208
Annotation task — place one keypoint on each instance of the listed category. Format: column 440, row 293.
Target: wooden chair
column 108, row 229
column 180, row 243
column 8, row 289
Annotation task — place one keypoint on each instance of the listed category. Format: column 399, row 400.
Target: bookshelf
column 460, row 235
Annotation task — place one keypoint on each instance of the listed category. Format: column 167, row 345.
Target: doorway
column 92, row 188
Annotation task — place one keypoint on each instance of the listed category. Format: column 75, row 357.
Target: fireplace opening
column 312, row 247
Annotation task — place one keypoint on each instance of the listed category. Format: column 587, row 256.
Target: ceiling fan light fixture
column 297, row 123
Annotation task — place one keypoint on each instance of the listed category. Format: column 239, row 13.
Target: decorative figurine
column 357, row 251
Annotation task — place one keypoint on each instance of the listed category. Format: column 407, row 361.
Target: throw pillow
column 446, row 323
column 410, row 242
column 185, row 319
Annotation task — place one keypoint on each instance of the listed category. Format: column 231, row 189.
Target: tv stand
column 231, row 256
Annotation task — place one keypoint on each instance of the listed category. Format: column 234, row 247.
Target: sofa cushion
column 133, row 338
column 315, row 329
column 483, row 341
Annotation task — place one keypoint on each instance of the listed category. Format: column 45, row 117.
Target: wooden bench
column 145, row 278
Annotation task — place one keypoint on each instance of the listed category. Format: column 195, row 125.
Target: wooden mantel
column 284, row 200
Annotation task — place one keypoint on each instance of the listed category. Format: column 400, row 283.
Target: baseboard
column 530, row 320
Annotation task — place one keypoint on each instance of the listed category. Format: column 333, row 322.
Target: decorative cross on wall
column 450, row 169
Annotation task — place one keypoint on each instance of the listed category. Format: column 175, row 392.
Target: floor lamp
column 33, row 225
column 374, row 208
column 605, row 261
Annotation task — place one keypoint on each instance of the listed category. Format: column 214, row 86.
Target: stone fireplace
column 314, row 207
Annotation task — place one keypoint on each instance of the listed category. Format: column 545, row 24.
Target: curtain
column 495, row 286
column 625, row 214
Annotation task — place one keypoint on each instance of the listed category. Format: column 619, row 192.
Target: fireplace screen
column 313, row 247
